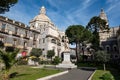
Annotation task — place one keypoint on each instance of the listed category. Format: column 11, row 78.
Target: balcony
column 3, row 31
column 26, row 37
column 16, row 35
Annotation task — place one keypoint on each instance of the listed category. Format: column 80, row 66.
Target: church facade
column 41, row 33
column 50, row 38
column 108, row 38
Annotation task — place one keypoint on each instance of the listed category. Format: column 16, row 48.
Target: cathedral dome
column 42, row 16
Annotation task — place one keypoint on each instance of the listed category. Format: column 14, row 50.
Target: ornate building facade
column 41, row 33
column 50, row 38
column 108, row 38
column 17, row 34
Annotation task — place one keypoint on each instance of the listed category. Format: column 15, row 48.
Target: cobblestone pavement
column 75, row 74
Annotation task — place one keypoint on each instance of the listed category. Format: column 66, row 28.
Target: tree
column 50, row 54
column 9, row 49
column 94, row 25
column 1, row 44
column 36, row 52
column 8, row 59
column 6, row 4
column 86, row 38
column 56, row 60
column 76, row 35
column 102, row 56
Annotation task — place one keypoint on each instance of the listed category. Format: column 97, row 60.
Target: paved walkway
column 75, row 74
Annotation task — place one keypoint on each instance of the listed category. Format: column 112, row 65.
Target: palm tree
column 8, row 59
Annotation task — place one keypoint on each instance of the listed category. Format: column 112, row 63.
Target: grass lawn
column 99, row 73
column 28, row 73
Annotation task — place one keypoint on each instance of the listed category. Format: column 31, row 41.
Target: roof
column 42, row 16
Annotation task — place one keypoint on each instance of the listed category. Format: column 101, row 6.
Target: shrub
column 36, row 59
column 56, row 60
column 9, row 49
column 36, row 52
column 107, row 76
column 1, row 44
column 50, row 54
column 22, row 62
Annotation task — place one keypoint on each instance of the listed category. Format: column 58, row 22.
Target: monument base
column 66, row 62
column 66, row 66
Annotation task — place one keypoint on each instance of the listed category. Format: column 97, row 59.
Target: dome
column 42, row 16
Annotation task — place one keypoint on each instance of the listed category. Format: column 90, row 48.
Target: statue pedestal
column 66, row 61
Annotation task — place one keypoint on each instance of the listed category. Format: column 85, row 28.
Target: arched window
column 114, row 48
column 58, row 43
column 53, row 41
column 63, row 38
column 108, row 48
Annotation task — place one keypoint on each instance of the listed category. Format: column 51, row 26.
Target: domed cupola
column 41, row 16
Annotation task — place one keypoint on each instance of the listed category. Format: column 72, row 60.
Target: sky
column 64, row 13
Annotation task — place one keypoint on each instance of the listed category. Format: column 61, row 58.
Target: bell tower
column 104, row 17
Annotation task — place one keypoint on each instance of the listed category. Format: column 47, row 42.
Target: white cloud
column 113, row 5
column 73, row 15
column 87, row 3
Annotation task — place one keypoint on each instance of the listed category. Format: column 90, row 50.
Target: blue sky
column 66, row 12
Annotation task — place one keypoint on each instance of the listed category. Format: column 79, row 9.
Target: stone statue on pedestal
column 66, row 61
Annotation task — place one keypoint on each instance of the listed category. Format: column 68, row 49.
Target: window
column 115, row 48
column 16, row 29
column 53, row 41
column 39, row 41
column 1, row 38
column 43, row 40
column 25, row 33
column 25, row 44
column 34, row 36
column 3, row 26
column 116, row 56
column 108, row 48
column 15, row 41
column 63, row 38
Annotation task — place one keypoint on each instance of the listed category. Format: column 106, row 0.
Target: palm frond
column 9, row 59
